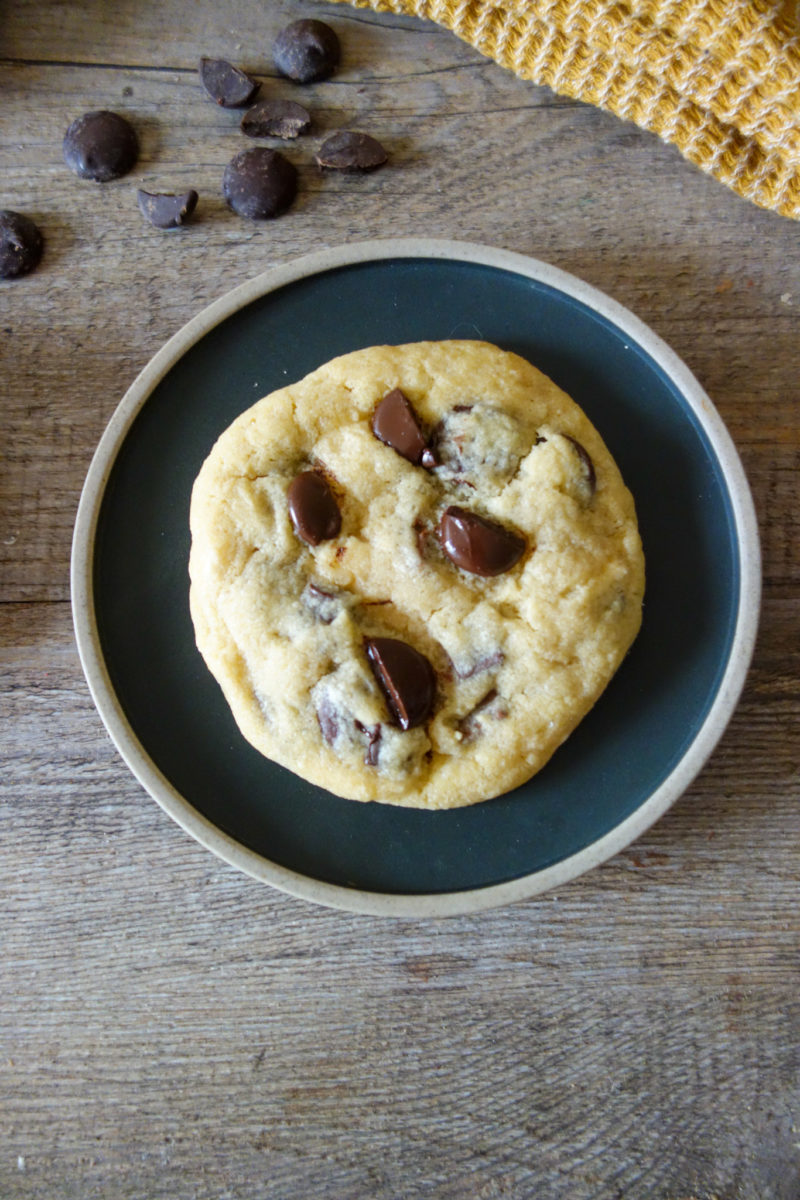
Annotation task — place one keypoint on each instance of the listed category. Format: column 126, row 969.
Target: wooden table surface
column 171, row 1028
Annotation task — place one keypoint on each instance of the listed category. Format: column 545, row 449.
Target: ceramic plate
column 632, row 756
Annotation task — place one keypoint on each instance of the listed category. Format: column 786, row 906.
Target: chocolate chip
column 351, row 151
column 468, row 670
column 166, row 210
column 479, row 546
column 373, row 734
column 312, row 508
column 226, row 84
column 101, row 146
column 586, row 463
column 469, row 725
column 395, row 423
column 405, row 677
column 307, row 51
column 328, row 718
column 259, row 183
column 276, row 118
column 323, row 605
column 21, row 244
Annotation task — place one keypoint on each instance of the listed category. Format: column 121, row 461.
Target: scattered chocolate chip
column 586, row 463
column 405, row 677
column 312, row 508
column 21, row 244
column 276, row 118
column 226, row 84
column 259, row 183
column 101, row 146
column 395, row 423
column 373, row 734
column 351, row 151
column 307, row 51
column 166, row 210
column 479, row 546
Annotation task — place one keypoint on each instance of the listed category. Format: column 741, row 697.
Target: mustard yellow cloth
column 718, row 78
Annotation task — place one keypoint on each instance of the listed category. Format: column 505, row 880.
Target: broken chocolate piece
column 306, row 51
column 479, row 546
column 21, row 244
column 396, row 425
column 226, row 84
column 586, row 463
column 100, row 146
column 313, row 509
column 323, row 605
column 276, row 118
column 166, row 210
column 405, row 677
column 351, row 151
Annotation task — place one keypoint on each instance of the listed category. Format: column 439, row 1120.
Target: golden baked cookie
column 414, row 572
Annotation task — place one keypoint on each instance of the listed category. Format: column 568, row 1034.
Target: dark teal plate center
column 628, row 744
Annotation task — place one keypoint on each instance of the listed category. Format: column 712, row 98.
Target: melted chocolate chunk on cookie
column 395, row 423
column 492, row 705
column 313, row 509
column 328, row 717
column 476, row 545
column 479, row 440
column 323, row 605
column 405, row 677
column 590, row 475
column 373, row 734
column 477, row 667
column 226, row 84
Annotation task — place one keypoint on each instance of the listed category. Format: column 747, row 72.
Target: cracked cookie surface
column 416, row 601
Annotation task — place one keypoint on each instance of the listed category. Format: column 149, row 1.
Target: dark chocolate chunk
column 307, row 51
column 470, row 725
column 395, row 423
column 101, row 146
column 276, row 118
column 259, row 183
column 328, row 718
column 373, row 734
column 226, row 84
column 323, row 605
column 313, row 509
column 166, row 210
column 351, row 151
column 477, row 545
column 405, row 677
column 586, row 462
column 21, row 244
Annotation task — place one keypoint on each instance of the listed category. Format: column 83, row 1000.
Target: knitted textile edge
column 719, row 79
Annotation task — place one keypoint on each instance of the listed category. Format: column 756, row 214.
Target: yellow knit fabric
column 718, row 78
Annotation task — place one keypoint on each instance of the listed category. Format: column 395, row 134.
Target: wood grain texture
column 169, row 1028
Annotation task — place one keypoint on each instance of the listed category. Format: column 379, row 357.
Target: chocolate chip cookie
column 414, row 572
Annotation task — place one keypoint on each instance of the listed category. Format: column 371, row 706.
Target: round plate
column 631, row 757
